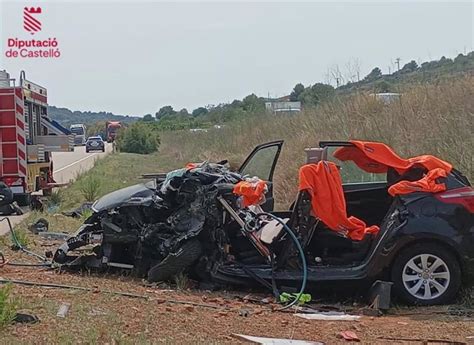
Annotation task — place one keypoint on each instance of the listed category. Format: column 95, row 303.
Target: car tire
column 426, row 274
column 87, row 151
column 103, row 149
column 176, row 262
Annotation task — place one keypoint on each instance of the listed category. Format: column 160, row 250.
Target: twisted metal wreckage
column 218, row 225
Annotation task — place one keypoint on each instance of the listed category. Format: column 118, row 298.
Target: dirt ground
column 104, row 318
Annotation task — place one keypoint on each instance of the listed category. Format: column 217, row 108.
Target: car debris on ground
column 274, row 341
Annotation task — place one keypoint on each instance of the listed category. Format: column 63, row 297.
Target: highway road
column 66, row 165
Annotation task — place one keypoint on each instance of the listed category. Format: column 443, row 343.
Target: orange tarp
column 426, row 184
column 377, row 158
column 323, row 182
column 252, row 192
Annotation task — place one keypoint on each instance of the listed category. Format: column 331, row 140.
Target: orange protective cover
column 323, row 182
column 252, row 192
column 426, row 184
column 377, row 158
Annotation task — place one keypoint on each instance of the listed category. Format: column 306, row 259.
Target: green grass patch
column 8, row 306
column 20, row 237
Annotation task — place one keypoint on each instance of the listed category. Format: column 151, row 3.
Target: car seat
column 330, row 228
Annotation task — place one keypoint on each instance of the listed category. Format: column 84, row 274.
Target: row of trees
column 312, row 95
column 414, row 71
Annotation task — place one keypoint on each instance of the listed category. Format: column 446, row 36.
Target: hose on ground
column 23, row 249
column 302, row 257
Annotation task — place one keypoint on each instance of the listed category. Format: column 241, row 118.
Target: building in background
column 282, row 105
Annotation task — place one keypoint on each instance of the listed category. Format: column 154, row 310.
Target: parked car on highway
column 95, row 144
column 362, row 214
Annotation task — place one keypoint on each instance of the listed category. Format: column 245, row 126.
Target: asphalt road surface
column 66, row 165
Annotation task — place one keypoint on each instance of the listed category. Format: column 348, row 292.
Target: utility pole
column 397, row 61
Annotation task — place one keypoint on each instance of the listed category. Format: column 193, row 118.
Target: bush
column 55, row 198
column 8, row 306
column 90, row 187
column 140, row 137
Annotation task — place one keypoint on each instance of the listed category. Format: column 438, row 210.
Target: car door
column 365, row 193
column 261, row 163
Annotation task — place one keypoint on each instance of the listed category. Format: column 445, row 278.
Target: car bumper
column 95, row 148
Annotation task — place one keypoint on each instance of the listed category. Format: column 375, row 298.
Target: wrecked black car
column 362, row 213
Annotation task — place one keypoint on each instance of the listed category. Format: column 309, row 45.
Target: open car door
column 261, row 163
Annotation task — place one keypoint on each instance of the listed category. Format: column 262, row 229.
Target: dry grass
column 433, row 119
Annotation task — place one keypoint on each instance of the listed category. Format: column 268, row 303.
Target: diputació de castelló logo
column 31, row 23
column 32, row 48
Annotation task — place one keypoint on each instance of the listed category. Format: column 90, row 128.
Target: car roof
column 95, row 137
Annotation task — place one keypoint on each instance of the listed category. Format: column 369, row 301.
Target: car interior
column 366, row 196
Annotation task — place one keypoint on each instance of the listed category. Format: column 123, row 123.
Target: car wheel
column 87, row 151
column 426, row 274
column 103, row 149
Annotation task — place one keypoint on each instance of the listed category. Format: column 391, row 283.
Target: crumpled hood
column 136, row 194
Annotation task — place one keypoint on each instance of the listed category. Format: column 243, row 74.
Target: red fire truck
column 27, row 138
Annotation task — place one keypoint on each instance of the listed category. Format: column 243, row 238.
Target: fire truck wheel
column 23, row 199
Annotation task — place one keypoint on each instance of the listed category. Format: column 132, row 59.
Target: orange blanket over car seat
column 323, row 182
column 376, row 157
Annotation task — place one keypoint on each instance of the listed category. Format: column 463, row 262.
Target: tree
column 200, row 111
column 183, row 112
column 375, row 74
column 352, row 68
column 236, row 103
column 316, row 94
column 297, row 90
column 323, row 91
column 409, row 67
column 148, row 118
column 461, row 59
column 165, row 111
column 383, row 86
column 252, row 103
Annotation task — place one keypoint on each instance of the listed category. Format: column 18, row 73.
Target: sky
column 133, row 57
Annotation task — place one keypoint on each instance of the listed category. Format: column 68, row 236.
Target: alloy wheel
column 426, row 276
